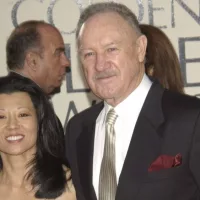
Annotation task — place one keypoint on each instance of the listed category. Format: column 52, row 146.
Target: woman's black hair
column 46, row 172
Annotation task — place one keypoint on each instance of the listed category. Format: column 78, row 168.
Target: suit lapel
column 85, row 147
column 144, row 146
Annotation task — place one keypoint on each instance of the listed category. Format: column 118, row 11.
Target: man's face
column 53, row 62
column 112, row 55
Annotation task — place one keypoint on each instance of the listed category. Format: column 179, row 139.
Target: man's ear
column 141, row 47
column 32, row 60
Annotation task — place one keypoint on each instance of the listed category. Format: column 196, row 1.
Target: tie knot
column 111, row 117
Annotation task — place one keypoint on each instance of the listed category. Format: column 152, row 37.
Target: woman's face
column 18, row 124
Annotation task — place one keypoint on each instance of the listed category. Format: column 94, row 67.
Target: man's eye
column 112, row 49
column 63, row 53
column 2, row 117
column 24, row 115
column 88, row 54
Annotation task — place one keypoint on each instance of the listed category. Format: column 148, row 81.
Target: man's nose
column 100, row 62
column 65, row 61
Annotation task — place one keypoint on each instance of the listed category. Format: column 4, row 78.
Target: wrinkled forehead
column 103, row 24
column 99, row 20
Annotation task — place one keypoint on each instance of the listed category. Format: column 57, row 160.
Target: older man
column 35, row 49
column 142, row 142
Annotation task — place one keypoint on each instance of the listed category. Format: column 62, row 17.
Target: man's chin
column 56, row 90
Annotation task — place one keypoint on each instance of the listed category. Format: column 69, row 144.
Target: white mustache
column 104, row 74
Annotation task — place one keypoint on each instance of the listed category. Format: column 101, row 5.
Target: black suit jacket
column 168, row 124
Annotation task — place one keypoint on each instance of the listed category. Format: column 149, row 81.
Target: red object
column 165, row 162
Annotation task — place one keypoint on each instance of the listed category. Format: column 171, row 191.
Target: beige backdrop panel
column 179, row 19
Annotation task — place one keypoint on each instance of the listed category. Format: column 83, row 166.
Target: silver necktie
column 107, row 178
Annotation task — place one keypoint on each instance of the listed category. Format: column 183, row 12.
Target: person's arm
column 67, row 142
column 194, row 163
column 70, row 193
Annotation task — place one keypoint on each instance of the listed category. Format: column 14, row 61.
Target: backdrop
column 179, row 19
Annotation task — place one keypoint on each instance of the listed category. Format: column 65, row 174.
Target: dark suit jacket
column 168, row 124
column 18, row 76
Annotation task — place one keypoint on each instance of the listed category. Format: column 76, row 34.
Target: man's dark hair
column 46, row 172
column 24, row 37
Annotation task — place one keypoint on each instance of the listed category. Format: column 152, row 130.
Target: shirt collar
column 134, row 101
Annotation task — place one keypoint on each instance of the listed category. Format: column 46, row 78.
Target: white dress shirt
column 128, row 112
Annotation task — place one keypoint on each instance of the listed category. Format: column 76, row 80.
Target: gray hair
column 105, row 7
